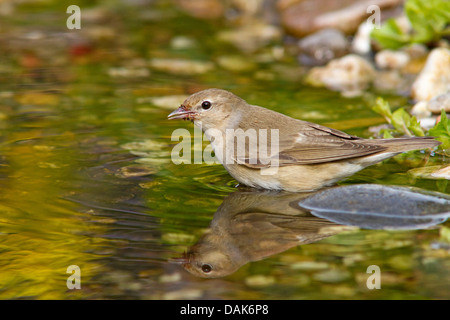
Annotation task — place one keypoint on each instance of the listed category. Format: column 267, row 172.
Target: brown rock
column 303, row 17
column 203, row 9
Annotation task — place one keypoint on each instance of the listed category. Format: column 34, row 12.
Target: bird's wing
column 313, row 144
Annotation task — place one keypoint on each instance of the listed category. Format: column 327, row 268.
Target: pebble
column 203, row 9
column 182, row 42
column 362, row 42
column 188, row 294
column 332, row 276
column 301, row 18
column 391, row 80
column 133, row 171
column 349, row 74
column 421, row 110
column 248, row 8
column 259, row 280
column 434, row 79
column 144, row 146
column 166, row 102
column 123, row 72
column 443, row 173
column 167, row 278
column 323, row 46
column 416, row 50
column 424, row 172
column 390, row 59
column 440, row 102
column 309, row 265
column 181, row 66
column 251, row 37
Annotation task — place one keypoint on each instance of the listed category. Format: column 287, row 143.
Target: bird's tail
column 407, row 144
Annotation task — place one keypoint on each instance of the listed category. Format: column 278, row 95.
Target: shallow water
column 86, row 177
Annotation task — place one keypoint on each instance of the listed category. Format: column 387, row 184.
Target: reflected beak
column 183, row 260
column 182, row 113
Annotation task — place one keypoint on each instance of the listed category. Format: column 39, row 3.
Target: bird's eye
column 206, row 105
column 206, row 268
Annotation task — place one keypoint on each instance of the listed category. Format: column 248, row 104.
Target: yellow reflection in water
column 41, row 234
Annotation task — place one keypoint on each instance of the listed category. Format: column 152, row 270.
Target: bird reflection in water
column 251, row 225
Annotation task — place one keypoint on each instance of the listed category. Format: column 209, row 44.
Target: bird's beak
column 182, row 113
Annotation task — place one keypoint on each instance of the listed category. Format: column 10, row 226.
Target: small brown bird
column 262, row 148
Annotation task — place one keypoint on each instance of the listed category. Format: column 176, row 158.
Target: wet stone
column 251, row 37
column 167, row 278
column 181, row 66
column 322, row 46
column 259, row 281
column 166, row 102
column 434, row 79
column 203, row 9
column 301, row 18
column 183, row 294
column 134, row 171
column 349, row 74
column 182, row 42
column 440, row 102
column 309, row 265
column 389, row 59
column 392, row 81
column 421, row 110
column 361, row 43
column 332, row 276
column 124, row 72
column 379, row 206
column 443, row 173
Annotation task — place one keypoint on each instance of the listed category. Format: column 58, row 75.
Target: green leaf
column 390, row 35
column 415, row 127
column 400, row 120
column 428, row 19
column 441, row 131
column 386, row 134
column 382, row 107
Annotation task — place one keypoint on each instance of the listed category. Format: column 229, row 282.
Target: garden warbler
column 262, row 148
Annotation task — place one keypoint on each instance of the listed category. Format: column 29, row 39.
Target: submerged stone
column 134, row 171
column 181, row 66
column 379, row 206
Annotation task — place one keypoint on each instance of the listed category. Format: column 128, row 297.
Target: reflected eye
column 206, row 268
column 206, row 105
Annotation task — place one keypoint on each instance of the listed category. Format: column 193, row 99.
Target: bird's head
column 209, row 108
